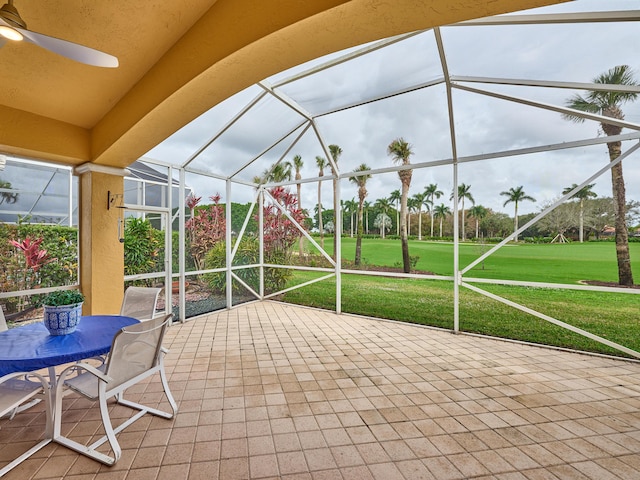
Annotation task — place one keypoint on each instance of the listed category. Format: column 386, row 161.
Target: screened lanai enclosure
column 263, row 184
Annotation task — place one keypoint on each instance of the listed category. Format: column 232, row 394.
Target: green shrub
column 59, row 269
column 63, row 297
column 142, row 247
column 248, row 253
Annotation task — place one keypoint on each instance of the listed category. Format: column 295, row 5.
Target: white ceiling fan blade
column 74, row 51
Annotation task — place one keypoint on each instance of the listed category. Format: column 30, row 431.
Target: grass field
column 554, row 263
column 610, row 315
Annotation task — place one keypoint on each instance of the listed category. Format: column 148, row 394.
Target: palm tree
column 421, row 200
column 335, row 152
column 412, row 207
column 400, row 151
column 583, row 194
column 432, row 193
column 463, row 192
column 441, row 212
column 516, row 195
column 297, row 165
column 321, row 162
column 8, row 197
column 395, row 198
column 361, row 182
column 383, row 222
column 367, row 206
column 258, row 180
column 279, row 172
column 608, row 104
column 384, row 206
column 350, row 207
column 478, row 212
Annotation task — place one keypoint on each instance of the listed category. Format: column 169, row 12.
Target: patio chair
column 3, row 321
column 15, row 391
column 140, row 302
column 136, row 354
column 24, row 405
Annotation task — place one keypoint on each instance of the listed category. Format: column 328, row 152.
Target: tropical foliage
column 36, row 256
column 280, row 233
column 206, row 228
column 142, row 246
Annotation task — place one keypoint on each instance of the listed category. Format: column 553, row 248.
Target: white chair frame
column 98, row 384
column 3, row 321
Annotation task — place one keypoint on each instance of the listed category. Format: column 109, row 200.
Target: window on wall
column 38, row 233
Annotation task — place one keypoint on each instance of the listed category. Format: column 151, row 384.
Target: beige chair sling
column 140, row 302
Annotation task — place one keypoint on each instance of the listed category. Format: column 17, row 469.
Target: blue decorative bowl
column 62, row 319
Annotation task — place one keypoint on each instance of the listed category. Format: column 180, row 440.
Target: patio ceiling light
column 10, row 33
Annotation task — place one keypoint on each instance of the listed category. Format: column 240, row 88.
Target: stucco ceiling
column 177, row 59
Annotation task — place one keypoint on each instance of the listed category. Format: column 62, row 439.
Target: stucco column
column 101, row 253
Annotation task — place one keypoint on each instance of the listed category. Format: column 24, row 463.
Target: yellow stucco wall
column 101, row 253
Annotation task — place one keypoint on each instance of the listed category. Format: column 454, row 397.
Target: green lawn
column 554, row 263
column 429, row 302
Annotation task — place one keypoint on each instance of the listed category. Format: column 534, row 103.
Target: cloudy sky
column 483, row 125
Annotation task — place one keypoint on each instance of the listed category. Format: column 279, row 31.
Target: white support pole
column 454, row 154
column 70, row 222
column 181, row 246
column 337, row 231
column 168, row 244
column 229, row 280
column 261, row 231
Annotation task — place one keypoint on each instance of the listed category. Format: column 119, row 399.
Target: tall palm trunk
column 581, row 233
column 462, row 222
column 337, row 215
column 404, row 238
column 320, row 225
column 358, row 259
column 625, row 275
column 299, row 191
column 515, row 222
column 431, row 215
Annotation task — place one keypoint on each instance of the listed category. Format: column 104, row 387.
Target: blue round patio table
column 31, row 347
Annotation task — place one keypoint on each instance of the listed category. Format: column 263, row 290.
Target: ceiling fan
column 12, row 27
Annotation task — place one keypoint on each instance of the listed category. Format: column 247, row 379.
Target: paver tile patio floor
column 268, row 390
